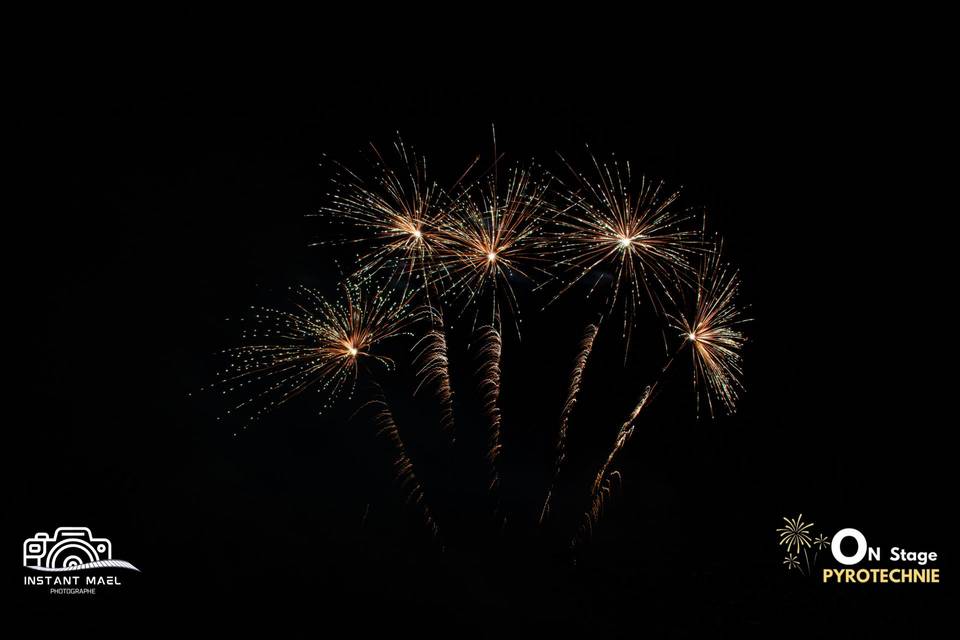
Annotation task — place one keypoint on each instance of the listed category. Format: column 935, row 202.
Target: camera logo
column 70, row 549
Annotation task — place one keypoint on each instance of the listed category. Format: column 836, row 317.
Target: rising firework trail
column 576, row 377
column 433, row 369
column 404, row 474
column 489, row 374
column 602, row 488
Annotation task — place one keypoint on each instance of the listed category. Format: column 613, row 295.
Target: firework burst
column 821, row 542
column 317, row 345
column 636, row 235
column 790, row 562
column 489, row 239
column 713, row 330
column 795, row 533
column 400, row 213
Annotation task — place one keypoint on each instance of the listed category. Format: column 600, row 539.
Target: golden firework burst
column 489, row 239
column 632, row 235
column 317, row 345
column 795, row 534
column 712, row 328
column 790, row 561
column 400, row 212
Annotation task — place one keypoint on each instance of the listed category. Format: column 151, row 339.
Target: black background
column 162, row 204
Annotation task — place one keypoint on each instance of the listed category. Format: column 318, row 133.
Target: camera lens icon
column 67, row 547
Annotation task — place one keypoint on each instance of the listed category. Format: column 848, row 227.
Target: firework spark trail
column 318, row 345
column 601, row 489
column 576, row 376
column 623, row 436
column 491, row 352
column 402, row 465
column 434, row 367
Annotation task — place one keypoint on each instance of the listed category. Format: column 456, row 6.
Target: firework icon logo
column 70, row 549
column 801, row 545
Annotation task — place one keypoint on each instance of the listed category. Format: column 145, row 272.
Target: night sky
column 162, row 206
